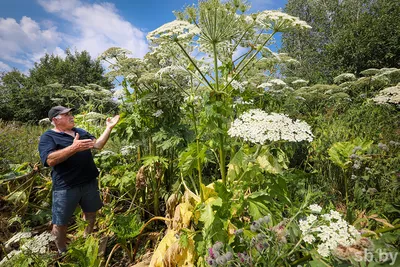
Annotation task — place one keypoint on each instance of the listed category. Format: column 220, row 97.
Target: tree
column 347, row 36
column 75, row 81
column 76, row 69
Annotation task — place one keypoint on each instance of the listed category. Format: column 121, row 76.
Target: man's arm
column 102, row 140
column 61, row 155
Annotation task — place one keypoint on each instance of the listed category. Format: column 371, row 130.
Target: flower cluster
column 254, row 245
column 388, row 95
column 127, row 150
column 217, row 257
column 177, row 29
column 344, row 77
column 171, row 70
column 354, row 252
column 256, row 126
column 280, row 21
column 16, row 238
column 39, row 243
column 158, row 113
column 328, row 230
column 315, row 208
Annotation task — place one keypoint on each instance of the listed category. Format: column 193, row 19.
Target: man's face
column 66, row 120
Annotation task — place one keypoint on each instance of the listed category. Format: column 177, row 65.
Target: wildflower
column 329, row 231
column 16, row 238
column 255, row 226
column 243, row 257
column 260, row 246
column 315, row 208
column 279, row 21
column 221, row 260
column 39, row 243
column 158, row 113
column 237, row 86
column 383, row 147
column 266, row 219
column 309, row 239
column 257, row 126
column 393, row 143
column 176, row 30
column 388, row 95
column 354, row 156
column 127, row 150
column 356, row 165
column 238, row 232
column 211, row 261
column 218, row 246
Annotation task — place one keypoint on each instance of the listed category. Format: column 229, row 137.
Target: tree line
column 53, row 81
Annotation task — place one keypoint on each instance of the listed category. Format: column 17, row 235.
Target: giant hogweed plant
column 218, row 32
column 213, row 54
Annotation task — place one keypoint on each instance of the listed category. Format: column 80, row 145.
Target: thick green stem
column 220, row 135
column 194, row 64
column 250, row 60
column 198, row 153
column 346, row 189
column 222, row 156
column 215, row 66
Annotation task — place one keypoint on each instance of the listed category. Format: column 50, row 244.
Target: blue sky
column 31, row 28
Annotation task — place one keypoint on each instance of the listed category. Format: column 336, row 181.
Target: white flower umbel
column 388, row 95
column 279, row 21
column 127, row 150
column 315, row 208
column 176, row 30
column 171, row 71
column 39, row 243
column 16, row 238
column 327, row 231
column 257, row 126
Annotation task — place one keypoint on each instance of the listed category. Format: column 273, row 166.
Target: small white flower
column 158, row 113
column 309, row 239
column 315, row 208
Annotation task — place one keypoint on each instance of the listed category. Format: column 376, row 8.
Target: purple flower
column 221, row 260
column 211, row 262
column 255, row 226
column 211, row 253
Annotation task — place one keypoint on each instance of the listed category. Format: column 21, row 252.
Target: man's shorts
column 65, row 201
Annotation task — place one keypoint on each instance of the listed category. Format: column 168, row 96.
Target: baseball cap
column 57, row 110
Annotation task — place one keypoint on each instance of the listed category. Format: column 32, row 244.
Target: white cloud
column 98, row 27
column 19, row 40
column 91, row 27
column 4, row 67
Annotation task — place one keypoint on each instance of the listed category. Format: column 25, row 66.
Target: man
column 67, row 150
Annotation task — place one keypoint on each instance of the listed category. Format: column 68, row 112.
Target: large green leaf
column 258, row 204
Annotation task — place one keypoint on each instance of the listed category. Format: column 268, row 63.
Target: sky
column 31, row 28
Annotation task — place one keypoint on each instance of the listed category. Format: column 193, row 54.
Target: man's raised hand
column 111, row 122
column 81, row 145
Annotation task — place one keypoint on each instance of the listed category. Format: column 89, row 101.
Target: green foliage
column 340, row 153
column 84, row 252
column 50, row 83
column 346, row 36
column 126, row 226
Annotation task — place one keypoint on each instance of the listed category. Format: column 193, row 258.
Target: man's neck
column 64, row 130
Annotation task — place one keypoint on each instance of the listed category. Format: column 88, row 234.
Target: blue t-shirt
column 77, row 169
